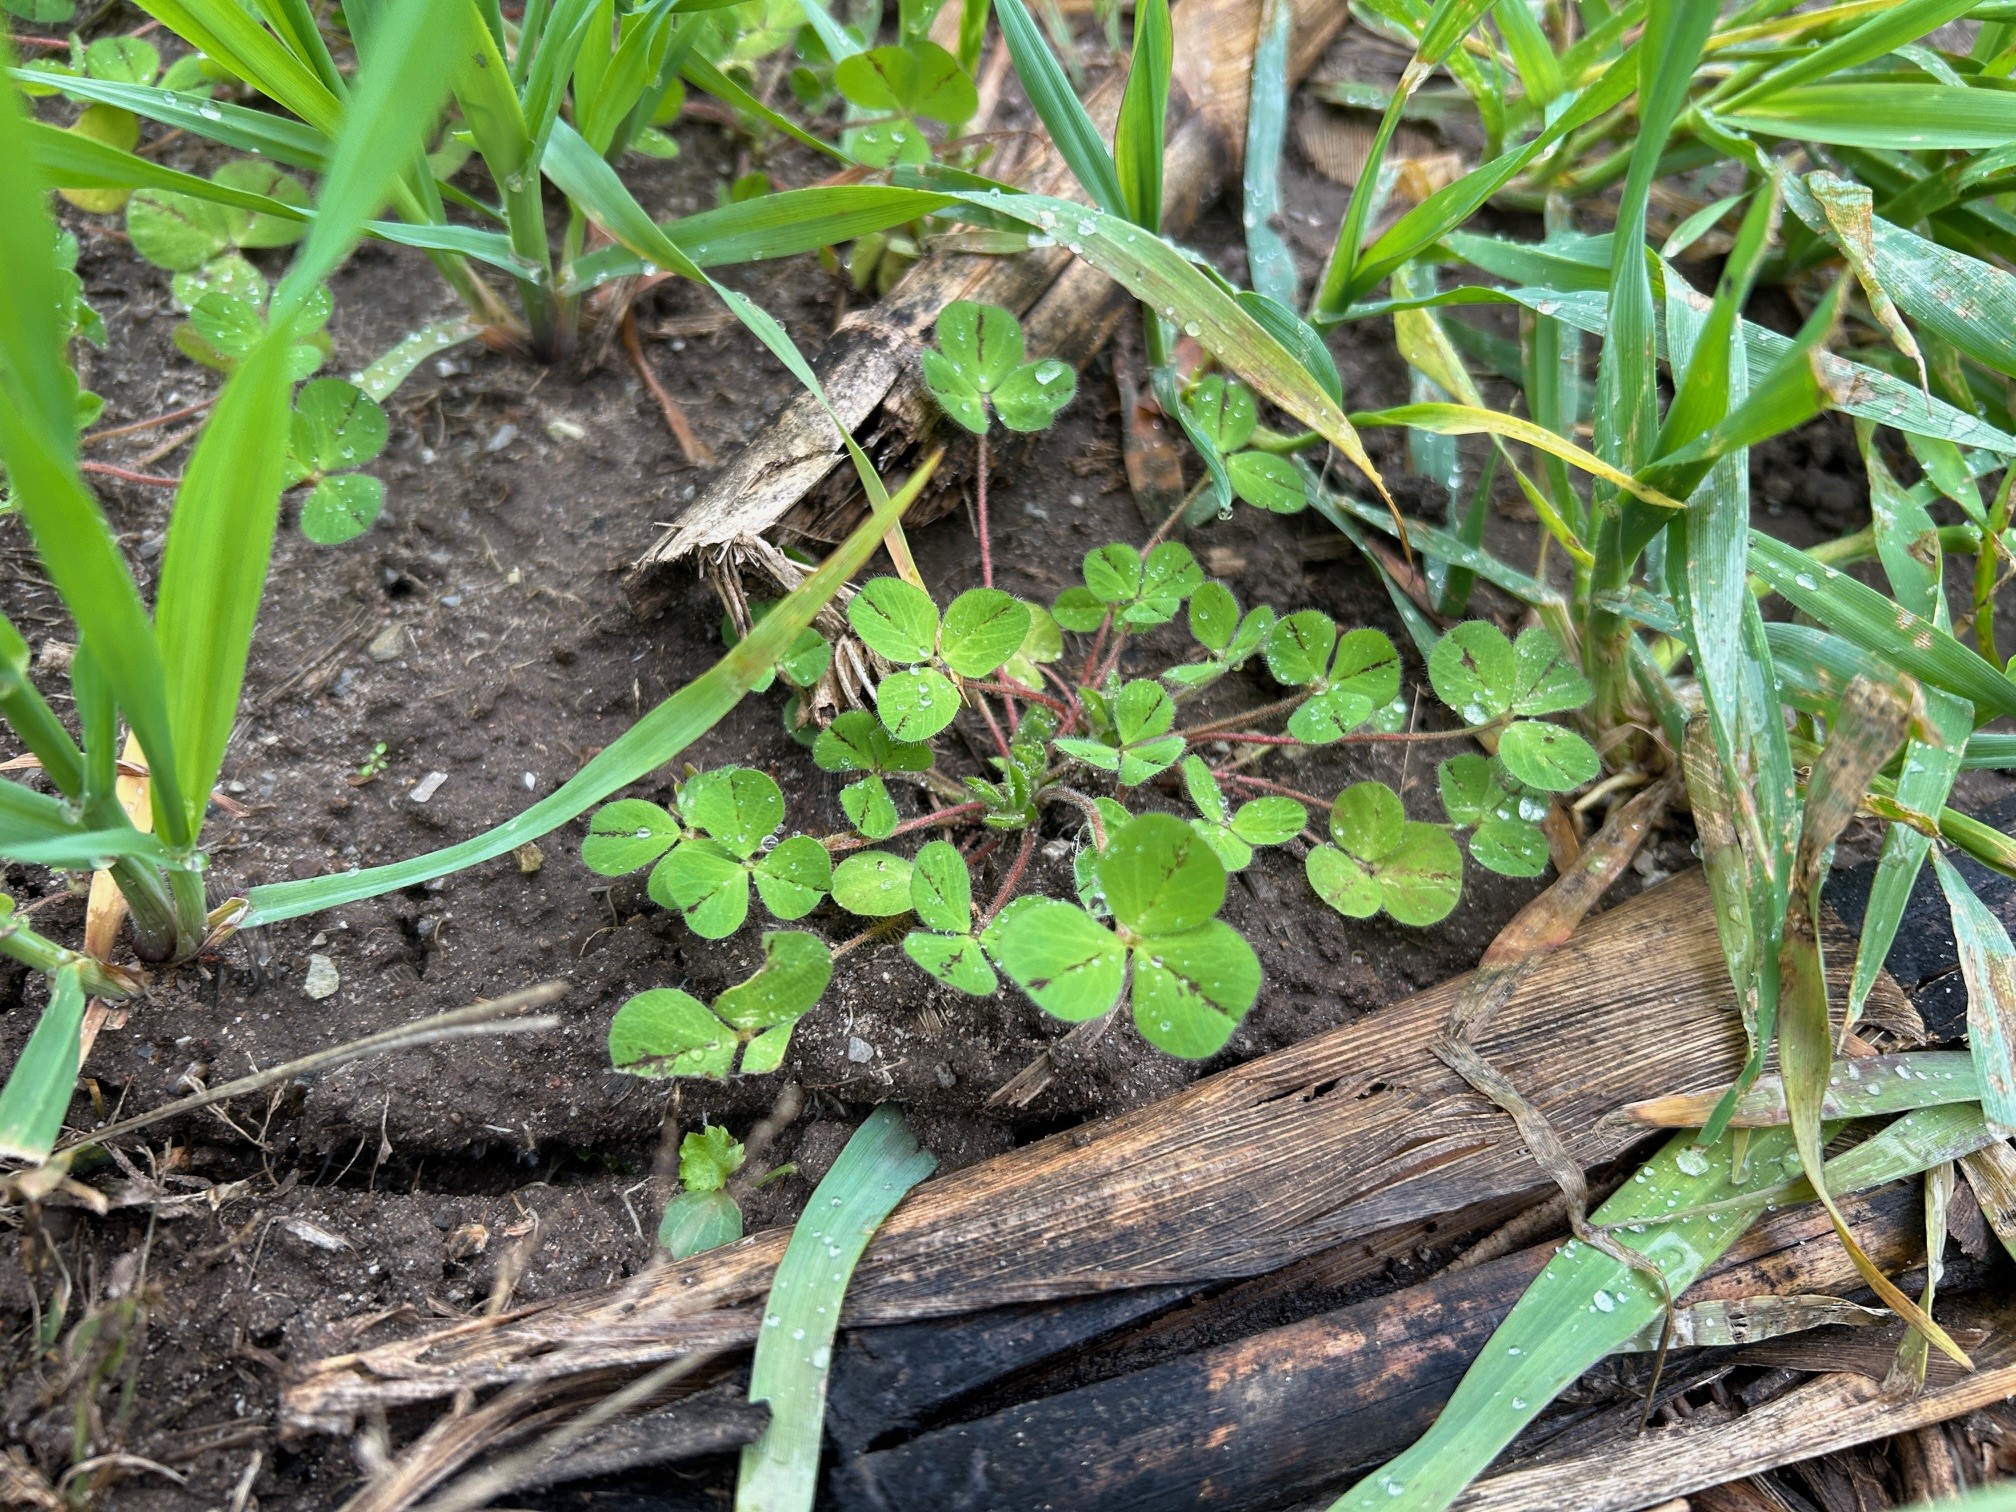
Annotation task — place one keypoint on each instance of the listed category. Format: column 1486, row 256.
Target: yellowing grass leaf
column 1468, row 420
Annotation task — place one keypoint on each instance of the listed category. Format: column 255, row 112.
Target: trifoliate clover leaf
column 696, row 1222
column 1214, row 616
column 736, row 806
column 1329, row 716
column 227, row 274
column 707, row 1159
column 941, row 890
column 1299, row 647
column 341, row 508
column 886, row 145
column 666, row 1032
column 869, row 808
column 962, row 403
column 955, row 960
column 1233, row 836
column 873, row 884
column 1224, row 411
column 707, row 884
column 1267, row 482
column 1033, row 395
column 1366, row 663
column 895, row 619
column 1192, row 989
column 796, row 968
column 1169, row 575
column 1071, row 966
column 857, row 742
column 1142, row 716
column 626, row 835
column 1547, row 757
column 1546, row 681
column 122, row 60
column 984, row 342
column 1113, row 573
column 1269, row 821
column 1042, row 642
column 916, row 704
column 919, row 79
column 1204, row 791
column 1080, row 610
column 1509, row 847
column 1159, row 877
column 1382, row 859
column 1471, row 791
column 803, row 663
column 793, row 876
column 983, row 628
column 1474, row 671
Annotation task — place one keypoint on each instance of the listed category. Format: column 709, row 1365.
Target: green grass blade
column 1881, row 33
column 1137, row 134
column 29, row 716
column 239, row 126
column 1867, row 619
column 794, row 1351
column 771, row 225
column 1077, row 140
column 1532, row 54
column 1873, row 1086
column 654, row 740
column 1470, row 420
column 704, row 76
column 835, row 38
column 226, row 32
column 1902, row 117
column 37, row 1094
column 1270, row 265
column 1989, row 963
column 38, row 439
column 1441, row 545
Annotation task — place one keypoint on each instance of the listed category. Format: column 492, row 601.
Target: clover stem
column 1014, row 878
column 1098, row 648
column 980, row 508
column 1395, row 736
column 1169, row 524
column 1088, row 808
column 1279, row 706
column 1271, row 787
column 993, row 727
column 935, row 819
column 1112, row 662
column 986, row 685
column 1076, row 713
column 1241, row 737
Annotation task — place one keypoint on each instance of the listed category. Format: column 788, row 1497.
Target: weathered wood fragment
column 1341, row 1137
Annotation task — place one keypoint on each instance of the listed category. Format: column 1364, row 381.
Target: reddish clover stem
column 987, row 685
column 936, row 819
column 1271, row 787
column 980, row 508
column 127, row 475
column 1014, row 878
column 993, row 727
column 1098, row 648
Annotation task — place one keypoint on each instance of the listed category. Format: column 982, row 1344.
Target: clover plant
column 1108, row 755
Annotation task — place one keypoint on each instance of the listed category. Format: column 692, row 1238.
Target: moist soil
column 479, row 636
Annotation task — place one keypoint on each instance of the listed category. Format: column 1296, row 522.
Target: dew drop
column 1603, row 1302
column 1693, row 1161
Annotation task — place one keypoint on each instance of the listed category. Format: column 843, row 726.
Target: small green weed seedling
column 703, row 1216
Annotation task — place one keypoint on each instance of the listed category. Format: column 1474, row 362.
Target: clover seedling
column 336, row 427
column 857, row 742
column 1139, row 592
column 978, row 362
column 1233, row 835
column 917, row 81
column 873, row 884
column 1194, row 978
column 1488, row 679
column 1384, row 860
column 941, row 895
column 201, row 242
column 223, row 328
column 1477, row 794
column 1223, row 412
column 801, row 666
column 1349, row 677
column 704, row 1216
column 667, row 1032
column 706, row 863
column 1216, row 625
column 1139, row 743
column 981, row 629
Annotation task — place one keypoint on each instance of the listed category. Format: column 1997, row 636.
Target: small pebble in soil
column 859, row 1050
column 529, row 857
column 322, row 980
column 502, row 437
column 385, row 644
column 566, row 430
column 427, row 787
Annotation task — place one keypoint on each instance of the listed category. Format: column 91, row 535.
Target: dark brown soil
column 481, row 631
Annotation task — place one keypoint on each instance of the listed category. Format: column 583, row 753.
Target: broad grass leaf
column 666, row 1032
column 796, row 968
column 983, row 628
column 696, row 1222
column 341, row 508
column 869, row 807
column 955, row 960
column 1270, row 263
column 707, row 883
column 1890, row 117
column 1144, row 109
column 1475, row 671
column 1268, row 482
column 1879, row 34
column 37, row 1093
column 1071, row 966
column 1032, row 396
column 738, row 806
column 941, row 891
column 1989, row 963
column 1192, row 989
column 1057, row 105
column 873, row 884
column 1547, row 757
column 1299, row 647
column 895, row 619
column 916, row 704
column 1159, row 877
column 792, row 877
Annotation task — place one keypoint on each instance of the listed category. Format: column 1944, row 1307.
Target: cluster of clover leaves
column 1142, row 924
